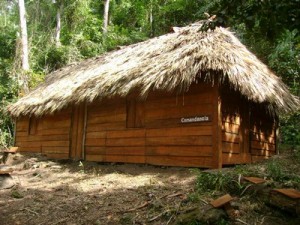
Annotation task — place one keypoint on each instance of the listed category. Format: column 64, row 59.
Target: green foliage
column 275, row 171
column 221, row 182
column 290, row 131
column 285, row 57
column 57, row 57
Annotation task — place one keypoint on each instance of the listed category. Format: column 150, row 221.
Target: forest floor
column 65, row 192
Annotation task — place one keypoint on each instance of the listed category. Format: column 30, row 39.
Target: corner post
column 217, row 158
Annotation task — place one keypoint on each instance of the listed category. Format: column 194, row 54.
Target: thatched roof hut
column 171, row 61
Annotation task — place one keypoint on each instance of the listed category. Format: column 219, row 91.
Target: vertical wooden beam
column 84, row 131
column 217, row 127
column 74, row 128
column 77, row 133
column 276, row 133
column 80, row 132
column 15, row 131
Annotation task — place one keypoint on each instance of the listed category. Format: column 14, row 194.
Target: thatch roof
column 174, row 60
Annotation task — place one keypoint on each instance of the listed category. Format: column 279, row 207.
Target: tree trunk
column 58, row 26
column 105, row 16
column 24, row 47
column 151, row 19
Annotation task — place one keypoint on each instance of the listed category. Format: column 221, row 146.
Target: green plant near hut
column 275, row 171
column 220, row 181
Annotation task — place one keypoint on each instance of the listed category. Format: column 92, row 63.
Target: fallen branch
column 139, row 207
column 159, row 215
column 174, row 195
column 241, row 221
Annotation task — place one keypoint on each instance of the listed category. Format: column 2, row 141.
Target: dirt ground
column 64, row 192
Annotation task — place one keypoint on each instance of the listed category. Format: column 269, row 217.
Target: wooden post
column 276, row 133
column 77, row 133
column 217, row 127
column 84, row 131
column 15, row 132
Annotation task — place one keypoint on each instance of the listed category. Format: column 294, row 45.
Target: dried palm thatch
column 167, row 62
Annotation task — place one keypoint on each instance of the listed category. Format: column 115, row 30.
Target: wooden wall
column 262, row 133
column 49, row 135
column 248, row 132
column 151, row 131
column 235, row 127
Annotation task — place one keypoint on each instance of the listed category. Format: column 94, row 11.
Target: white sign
column 194, row 119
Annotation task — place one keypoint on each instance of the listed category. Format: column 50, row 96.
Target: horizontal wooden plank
column 230, row 147
column 98, row 150
column 129, row 133
column 262, row 138
column 57, row 155
column 186, row 140
column 125, row 141
column 95, row 158
column 262, row 152
column 28, row 144
column 100, row 103
column 175, row 122
column 179, row 151
column 205, row 162
column 179, row 131
column 125, row 158
column 55, row 131
column 198, row 88
column 43, row 138
column 106, row 110
column 125, row 150
column 106, row 126
column 22, row 119
column 21, row 134
column 263, row 130
column 229, row 158
column 106, row 119
column 96, row 134
column 29, row 149
column 56, row 118
column 178, row 112
column 262, row 145
column 55, row 124
column 229, row 137
column 55, row 149
column 22, row 126
column 179, row 101
column 230, row 127
column 95, row 142
column 56, row 143
column 23, row 122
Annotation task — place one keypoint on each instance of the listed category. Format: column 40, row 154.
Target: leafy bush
column 54, row 57
column 290, row 129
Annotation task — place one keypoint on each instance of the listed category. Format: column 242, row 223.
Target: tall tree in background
column 59, row 8
column 105, row 16
column 24, row 47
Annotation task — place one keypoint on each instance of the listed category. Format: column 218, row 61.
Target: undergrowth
column 279, row 172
